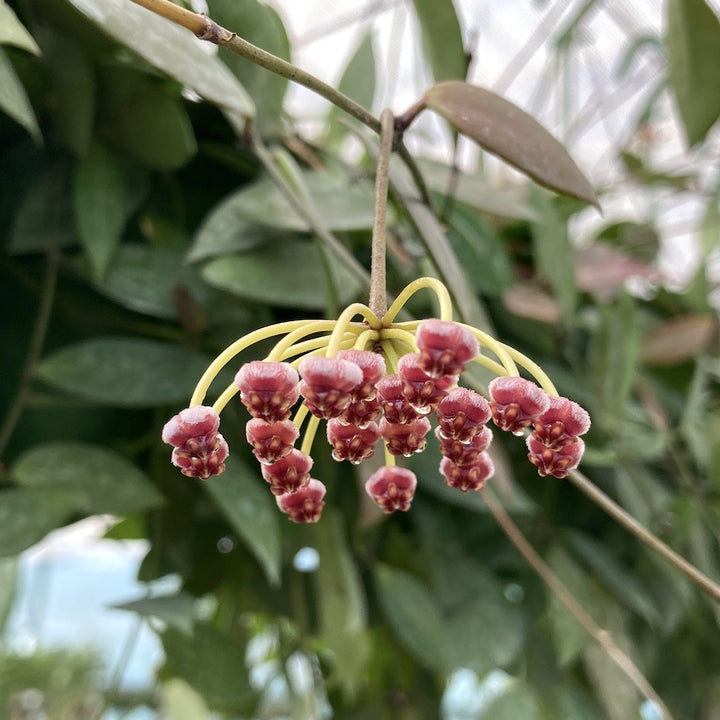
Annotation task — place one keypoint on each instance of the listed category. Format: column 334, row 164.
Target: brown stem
column 378, row 288
column 643, row 534
column 602, row 637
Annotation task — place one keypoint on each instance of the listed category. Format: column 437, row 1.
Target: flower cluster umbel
column 371, row 381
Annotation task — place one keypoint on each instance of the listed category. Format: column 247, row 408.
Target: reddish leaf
column 531, row 302
column 679, row 339
column 504, row 129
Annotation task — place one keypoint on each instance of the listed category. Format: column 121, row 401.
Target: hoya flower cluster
column 376, row 382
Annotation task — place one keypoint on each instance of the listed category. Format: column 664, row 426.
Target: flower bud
column 201, row 457
column 554, row 461
column 289, row 473
column 392, row 488
column 406, row 439
column 396, row 408
column 327, row 384
column 467, row 477
column 350, row 442
column 465, row 453
column 268, row 389
column 516, row 403
column 197, row 421
column 461, row 414
column 561, row 423
column 422, row 391
column 271, row 441
column 306, row 504
column 444, row 347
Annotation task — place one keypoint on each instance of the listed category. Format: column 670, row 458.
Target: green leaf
column 343, row 205
column 249, row 508
column 175, row 611
column 568, row 637
column 625, row 585
column 261, row 25
column 13, row 32
column 505, row 130
column 693, row 47
column 515, row 702
column 553, row 252
column 102, row 204
column 146, row 279
column 8, row 586
column 288, row 273
column 13, row 99
column 27, row 516
column 124, row 371
column 141, row 118
column 341, row 604
column 357, row 82
column 44, row 218
column 107, row 482
column 413, row 614
column 212, row 663
column 442, row 39
column 73, row 91
column 173, row 50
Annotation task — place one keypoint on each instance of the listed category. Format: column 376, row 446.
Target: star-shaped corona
column 377, row 381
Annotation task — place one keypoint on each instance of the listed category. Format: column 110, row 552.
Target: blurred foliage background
column 141, row 233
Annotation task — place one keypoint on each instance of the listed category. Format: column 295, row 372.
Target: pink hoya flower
column 271, row 441
column 268, row 389
column 445, row 347
column 327, row 384
column 516, row 403
column 467, row 477
column 555, row 461
column 201, row 457
column 289, row 473
column 350, row 442
column 461, row 414
column 421, row 390
column 561, row 423
column 306, row 504
column 373, row 368
column 392, row 488
column 393, row 402
column 465, row 453
column 406, row 439
column 198, row 421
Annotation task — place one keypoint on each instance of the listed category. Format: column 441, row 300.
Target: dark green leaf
column 553, row 253
column 626, row 586
column 13, row 99
column 13, row 32
column 341, row 604
column 287, row 273
column 107, row 481
column 174, row 610
column 342, row 205
column 413, row 614
column 141, row 118
column 504, row 129
column 173, row 50
column 249, row 508
column 442, row 39
column 44, row 218
column 27, row 516
column 261, row 25
column 8, row 586
column 357, row 82
column 693, row 46
column 146, row 279
column 124, row 371
column 213, row 663
column 102, row 202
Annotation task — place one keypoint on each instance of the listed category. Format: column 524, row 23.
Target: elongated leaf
column 679, row 339
column 517, row 701
column 693, row 45
column 174, row 610
column 211, row 662
column 13, row 32
column 259, row 24
column 8, row 586
column 341, row 603
column 124, row 371
column 502, row 128
column 28, row 515
column 252, row 513
column 146, row 279
column 413, row 614
column 101, row 197
column 173, row 50
column 288, row 273
column 107, row 481
column 442, row 39
column 13, row 99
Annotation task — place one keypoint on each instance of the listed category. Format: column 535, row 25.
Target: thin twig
column 378, row 286
column 553, row 582
column 37, row 340
column 643, row 534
